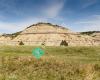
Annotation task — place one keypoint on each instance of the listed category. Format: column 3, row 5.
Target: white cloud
column 7, row 27
column 90, row 24
column 89, row 3
column 52, row 10
column 4, row 26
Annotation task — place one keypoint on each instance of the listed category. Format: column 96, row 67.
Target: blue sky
column 77, row 15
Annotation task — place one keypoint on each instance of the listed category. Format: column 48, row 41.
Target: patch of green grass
column 86, row 51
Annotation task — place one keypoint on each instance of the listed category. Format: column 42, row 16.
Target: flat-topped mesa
column 45, row 28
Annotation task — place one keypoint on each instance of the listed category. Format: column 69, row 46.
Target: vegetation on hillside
column 89, row 32
column 47, row 24
column 13, row 35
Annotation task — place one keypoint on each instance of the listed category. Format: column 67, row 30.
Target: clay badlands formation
column 47, row 34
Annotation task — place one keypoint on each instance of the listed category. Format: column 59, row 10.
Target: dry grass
column 60, row 66
column 29, row 68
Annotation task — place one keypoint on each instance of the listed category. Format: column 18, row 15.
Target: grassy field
column 58, row 63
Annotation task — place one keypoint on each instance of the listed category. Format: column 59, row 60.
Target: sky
column 77, row 15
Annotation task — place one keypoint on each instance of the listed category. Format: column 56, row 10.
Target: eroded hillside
column 48, row 34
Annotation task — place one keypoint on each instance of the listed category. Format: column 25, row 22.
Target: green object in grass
column 38, row 53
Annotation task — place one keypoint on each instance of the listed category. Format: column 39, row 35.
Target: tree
column 63, row 43
column 21, row 43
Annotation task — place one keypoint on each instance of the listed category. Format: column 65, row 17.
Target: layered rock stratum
column 47, row 34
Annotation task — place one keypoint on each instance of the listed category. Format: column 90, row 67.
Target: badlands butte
column 47, row 34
